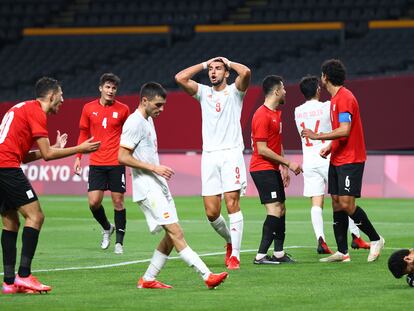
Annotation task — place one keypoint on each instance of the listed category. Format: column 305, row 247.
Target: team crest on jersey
column 166, row 215
column 115, row 115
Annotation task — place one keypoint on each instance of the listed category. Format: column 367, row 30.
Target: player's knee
column 346, row 206
column 118, row 204
column 176, row 235
column 94, row 204
column 212, row 214
column 36, row 219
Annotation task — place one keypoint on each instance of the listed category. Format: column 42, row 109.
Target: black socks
column 120, row 224
column 100, row 216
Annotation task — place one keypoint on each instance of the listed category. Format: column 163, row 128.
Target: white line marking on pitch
column 126, row 263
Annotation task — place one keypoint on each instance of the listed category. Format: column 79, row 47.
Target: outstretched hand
column 88, row 146
column 61, row 140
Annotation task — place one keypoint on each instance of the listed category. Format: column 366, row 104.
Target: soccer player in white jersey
column 223, row 171
column 315, row 115
column 138, row 150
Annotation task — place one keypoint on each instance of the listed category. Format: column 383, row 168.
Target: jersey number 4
column 308, row 143
column 104, row 122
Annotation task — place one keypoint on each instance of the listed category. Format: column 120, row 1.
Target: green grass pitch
column 84, row 277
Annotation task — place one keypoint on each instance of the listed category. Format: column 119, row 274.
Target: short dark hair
column 397, row 264
column 44, row 85
column 269, row 82
column 109, row 77
column 152, row 89
column 309, row 86
column 335, row 71
column 221, row 61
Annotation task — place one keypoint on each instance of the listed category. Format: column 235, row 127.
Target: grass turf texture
column 70, row 238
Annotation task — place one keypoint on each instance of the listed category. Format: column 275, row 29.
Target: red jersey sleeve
column 346, row 104
column 83, row 128
column 261, row 129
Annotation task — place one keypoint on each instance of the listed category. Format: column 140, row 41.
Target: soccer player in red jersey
column 348, row 157
column 269, row 178
column 103, row 119
column 23, row 125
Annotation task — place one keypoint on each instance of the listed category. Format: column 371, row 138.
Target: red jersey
column 104, row 123
column 349, row 149
column 266, row 126
column 21, row 126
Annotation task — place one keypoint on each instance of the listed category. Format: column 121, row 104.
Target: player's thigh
column 350, row 179
column 333, row 180
column 314, row 182
column 269, row 184
column 233, row 171
column 15, row 190
column 158, row 210
column 116, row 179
column 210, row 174
column 98, row 178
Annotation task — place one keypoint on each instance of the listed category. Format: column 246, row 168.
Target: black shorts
column 108, row 177
column 346, row 179
column 15, row 189
column 269, row 184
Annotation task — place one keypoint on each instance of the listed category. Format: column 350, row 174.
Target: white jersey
column 220, row 112
column 139, row 134
column 314, row 115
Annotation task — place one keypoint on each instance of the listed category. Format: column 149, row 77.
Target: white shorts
column 223, row 171
column 315, row 180
column 158, row 209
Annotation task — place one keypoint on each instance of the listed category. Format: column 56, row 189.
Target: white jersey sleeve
column 313, row 115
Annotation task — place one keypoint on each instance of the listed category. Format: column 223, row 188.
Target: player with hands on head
column 223, row 171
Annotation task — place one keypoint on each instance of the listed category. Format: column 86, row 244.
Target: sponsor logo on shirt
column 95, row 113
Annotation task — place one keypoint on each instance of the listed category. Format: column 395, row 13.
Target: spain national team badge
column 166, row 215
column 115, row 115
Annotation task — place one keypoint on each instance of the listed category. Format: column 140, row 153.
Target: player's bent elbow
column 247, row 73
column 178, row 78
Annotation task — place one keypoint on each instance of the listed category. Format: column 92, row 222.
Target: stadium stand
column 78, row 59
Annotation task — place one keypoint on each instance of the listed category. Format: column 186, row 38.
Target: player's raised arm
column 243, row 74
column 183, row 78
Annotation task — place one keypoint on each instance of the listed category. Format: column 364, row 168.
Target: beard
column 217, row 83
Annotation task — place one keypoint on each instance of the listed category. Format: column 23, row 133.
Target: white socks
column 158, row 261
column 317, row 221
column 193, row 260
column 221, row 228
column 353, row 228
column 236, row 232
